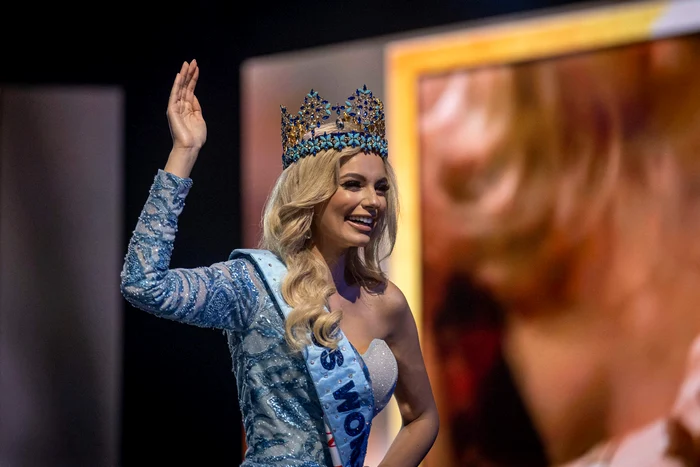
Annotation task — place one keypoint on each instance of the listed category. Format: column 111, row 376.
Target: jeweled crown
column 359, row 123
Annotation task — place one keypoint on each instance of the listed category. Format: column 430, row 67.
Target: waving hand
column 187, row 126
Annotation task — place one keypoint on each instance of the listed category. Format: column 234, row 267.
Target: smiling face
column 349, row 218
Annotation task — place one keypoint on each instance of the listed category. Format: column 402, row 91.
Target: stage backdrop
column 60, row 256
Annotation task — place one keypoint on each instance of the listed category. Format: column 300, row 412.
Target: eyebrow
column 361, row 177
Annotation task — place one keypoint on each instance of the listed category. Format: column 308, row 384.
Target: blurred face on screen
column 474, row 164
column 565, row 187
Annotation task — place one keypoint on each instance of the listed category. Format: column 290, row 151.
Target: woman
column 320, row 338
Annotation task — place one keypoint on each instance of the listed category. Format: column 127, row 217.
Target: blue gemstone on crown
column 360, row 123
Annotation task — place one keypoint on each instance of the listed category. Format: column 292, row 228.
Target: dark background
column 179, row 403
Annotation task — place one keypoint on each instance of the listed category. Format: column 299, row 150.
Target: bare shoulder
column 395, row 300
column 390, row 300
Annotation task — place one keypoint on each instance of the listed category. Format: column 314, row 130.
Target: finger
column 187, row 77
column 176, row 91
column 172, row 99
column 192, row 83
column 195, row 104
column 191, row 70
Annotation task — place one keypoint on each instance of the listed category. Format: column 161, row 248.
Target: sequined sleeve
column 224, row 295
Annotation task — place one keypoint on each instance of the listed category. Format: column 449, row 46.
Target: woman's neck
column 336, row 264
column 338, row 272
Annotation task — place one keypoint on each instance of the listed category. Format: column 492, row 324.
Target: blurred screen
column 558, row 166
column 553, row 193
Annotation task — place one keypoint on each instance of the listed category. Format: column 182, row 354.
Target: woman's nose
column 371, row 199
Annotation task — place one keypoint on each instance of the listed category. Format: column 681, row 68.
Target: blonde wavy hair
column 287, row 222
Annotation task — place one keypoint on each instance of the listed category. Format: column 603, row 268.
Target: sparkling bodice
column 383, row 371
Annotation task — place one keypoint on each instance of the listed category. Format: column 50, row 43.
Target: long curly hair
column 287, row 221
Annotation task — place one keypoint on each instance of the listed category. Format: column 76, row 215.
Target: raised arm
column 413, row 392
column 224, row 295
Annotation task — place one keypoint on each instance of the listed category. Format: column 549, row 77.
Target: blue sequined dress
column 282, row 416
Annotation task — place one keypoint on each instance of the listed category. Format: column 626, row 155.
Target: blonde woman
column 319, row 337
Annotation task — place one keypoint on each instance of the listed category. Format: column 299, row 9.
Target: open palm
column 187, row 126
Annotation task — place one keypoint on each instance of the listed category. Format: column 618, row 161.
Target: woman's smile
column 361, row 223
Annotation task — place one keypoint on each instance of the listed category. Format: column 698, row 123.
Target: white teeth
column 364, row 220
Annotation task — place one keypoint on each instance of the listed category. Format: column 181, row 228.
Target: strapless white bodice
column 383, row 372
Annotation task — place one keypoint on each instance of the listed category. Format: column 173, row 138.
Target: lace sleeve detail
column 224, row 295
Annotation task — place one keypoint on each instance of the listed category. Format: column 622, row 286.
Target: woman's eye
column 351, row 184
column 382, row 188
